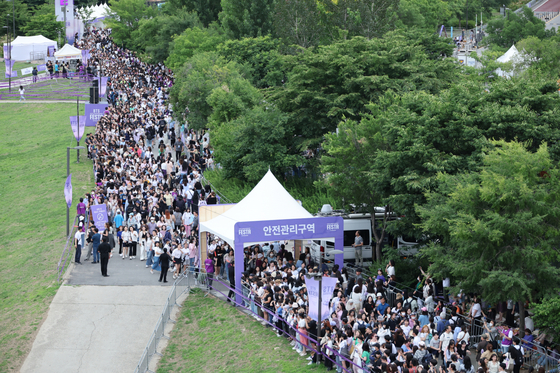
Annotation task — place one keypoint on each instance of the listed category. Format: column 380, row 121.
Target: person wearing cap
column 421, row 352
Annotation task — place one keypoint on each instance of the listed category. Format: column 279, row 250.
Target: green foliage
column 333, row 83
column 196, row 80
column 298, row 22
column 543, row 55
column 22, row 16
column 260, row 55
column 192, row 41
column 207, row 10
column 246, row 18
column 506, row 31
column 127, row 16
column 498, row 225
column 45, row 24
column 155, row 36
column 546, row 316
column 248, row 146
column 348, row 18
column 424, row 14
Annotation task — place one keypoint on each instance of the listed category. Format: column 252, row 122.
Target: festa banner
column 102, row 86
column 93, row 113
column 7, row 51
column 42, row 68
column 9, row 66
column 12, row 75
column 313, row 296
column 26, row 71
column 99, row 214
column 78, row 130
column 68, row 191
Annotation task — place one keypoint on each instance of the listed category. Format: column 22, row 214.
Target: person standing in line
column 164, row 262
column 34, row 73
column 358, row 244
column 96, row 240
column 209, row 267
column 21, row 93
column 78, row 244
column 104, row 253
column 231, row 277
column 133, row 242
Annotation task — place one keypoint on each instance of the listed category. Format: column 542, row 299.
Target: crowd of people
column 148, row 172
column 147, row 169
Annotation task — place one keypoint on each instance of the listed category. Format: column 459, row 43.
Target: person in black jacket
column 104, row 252
column 231, row 278
column 164, row 262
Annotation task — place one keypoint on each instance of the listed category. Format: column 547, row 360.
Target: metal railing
column 179, row 287
column 66, row 253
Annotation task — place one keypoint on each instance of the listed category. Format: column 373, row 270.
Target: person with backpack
column 410, row 304
column 518, row 355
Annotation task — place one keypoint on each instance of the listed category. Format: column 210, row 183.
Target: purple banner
column 78, row 130
column 85, row 56
column 99, row 214
column 50, row 51
column 93, row 113
column 68, row 191
column 9, row 66
column 292, row 229
column 41, row 67
column 7, row 52
column 102, row 86
column 441, row 30
column 313, row 292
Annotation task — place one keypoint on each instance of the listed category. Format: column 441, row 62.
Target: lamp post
column 68, row 174
column 9, row 54
column 319, row 277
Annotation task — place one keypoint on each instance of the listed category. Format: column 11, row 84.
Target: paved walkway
column 99, row 324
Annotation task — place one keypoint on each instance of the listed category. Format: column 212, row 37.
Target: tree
column 498, row 226
column 21, row 16
column 155, row 36
column 246, row 18
column 506, row 31
column 543, row 55
column 546, row 316
column 253, row 143
column 195, row 82
column 192, row 41
column 207, row 10
column 424, row 14
column 298, row 22
column 126, row 17
column 260, row 55
column 44, row 24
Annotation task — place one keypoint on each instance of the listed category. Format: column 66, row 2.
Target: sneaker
column 309, row 358
column 293, row 348
column 152, row 271
column 302, row 354
column 147, row 266
column 310, row 363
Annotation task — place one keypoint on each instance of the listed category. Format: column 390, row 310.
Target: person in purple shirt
column 209, row 266
column 81, row 208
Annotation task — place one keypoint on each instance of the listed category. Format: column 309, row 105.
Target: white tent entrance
column 28, row 48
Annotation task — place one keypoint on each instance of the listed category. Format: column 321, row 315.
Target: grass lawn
column 50, row 89
column 33, row 141
column 212, row 336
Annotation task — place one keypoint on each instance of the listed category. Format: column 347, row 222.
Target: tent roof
column 30, row 40
column 267, row 201
column 68, row 51
column 509, row 55
column 98, row 11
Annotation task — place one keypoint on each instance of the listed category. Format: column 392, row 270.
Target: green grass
column 59, row 89
column 212, row 336
column 33, row 141
column 18, row 65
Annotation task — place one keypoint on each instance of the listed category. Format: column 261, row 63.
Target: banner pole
column 67, row 208
column 78, row 118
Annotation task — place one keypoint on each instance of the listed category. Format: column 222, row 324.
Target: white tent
column 267, row 201
column 68, row 52
column 512, row 55
column 26, row 48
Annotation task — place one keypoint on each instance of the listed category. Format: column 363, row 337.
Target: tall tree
column 506, row 31
column 127, row 15
column 298, row 22
column 194, row 40
column 207, row 10
column 247, row 18
column 498, row 226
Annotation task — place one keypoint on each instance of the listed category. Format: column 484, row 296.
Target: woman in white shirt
column 133, row 242
column 142, row 238
column 157, row 252
column 126, row 242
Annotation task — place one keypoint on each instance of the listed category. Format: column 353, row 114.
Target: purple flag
column 68, row 190
column 93, row 113
column 85, row 56
column 78, row 130
column 313, row 293
column 102, row 86
column 8, row 51
column 13, row 75
column 99, row 214
column 41, row 67
column 9, row 65
column 440, row 31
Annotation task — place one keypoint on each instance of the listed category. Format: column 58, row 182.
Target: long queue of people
column 147, row 169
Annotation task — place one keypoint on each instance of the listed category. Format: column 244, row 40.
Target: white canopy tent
column 267, row 201
column 68, row 52
column 27, row 48
column 512, row 55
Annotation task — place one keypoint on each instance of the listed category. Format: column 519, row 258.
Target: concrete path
column 99, row 324
column 96, row 329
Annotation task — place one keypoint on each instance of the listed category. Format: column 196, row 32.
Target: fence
column 546, row 16
column 67, row 252
column 179, row 287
